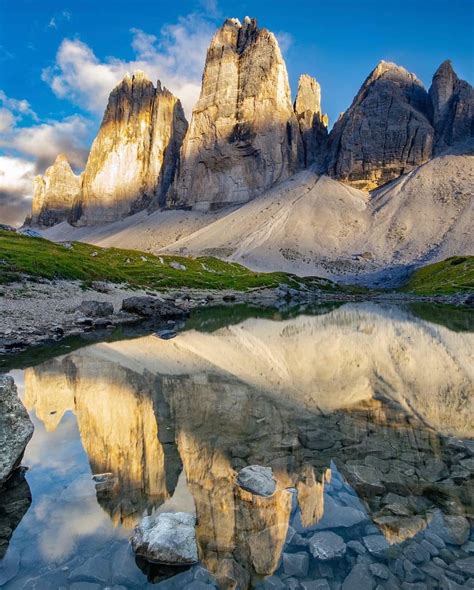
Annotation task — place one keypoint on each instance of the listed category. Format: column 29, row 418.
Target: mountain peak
column 445, row 68
column 61, row 158
column 389, row 69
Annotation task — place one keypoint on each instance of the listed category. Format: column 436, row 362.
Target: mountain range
column 257, row 178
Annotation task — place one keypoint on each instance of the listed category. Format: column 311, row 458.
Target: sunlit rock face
column 313, row 124
column 118, row 428
column 134, row 156
column 386, row 131
column 55, row 193
column 243, row 136
column 453, row 108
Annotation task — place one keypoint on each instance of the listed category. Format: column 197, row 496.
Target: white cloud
column 45, row 140
column 285, row 41
column 16, row 188
column 29, row 150
column 18, row 108
column 176, row 58
column 7, row 120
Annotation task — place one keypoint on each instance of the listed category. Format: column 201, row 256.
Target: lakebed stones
column 96, row 309
column 257, row 479
column 16, row 428
column 452, row 529
column 151, row 307
column 327, row 545
column 167, row 538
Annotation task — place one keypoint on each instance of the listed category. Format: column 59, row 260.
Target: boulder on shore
column 16, row 428
column 152, row 308
column 167, row 538
column 96, row 309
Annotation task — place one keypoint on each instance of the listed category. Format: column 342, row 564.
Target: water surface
column 364, row 413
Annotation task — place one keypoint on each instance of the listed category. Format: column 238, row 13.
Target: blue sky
column 58, row 60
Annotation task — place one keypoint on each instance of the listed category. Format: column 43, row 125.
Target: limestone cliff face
column 313, row 124
column 134, row 156
column 453, row 108
column 385, row 132
column 55, row 193
column 243, row 136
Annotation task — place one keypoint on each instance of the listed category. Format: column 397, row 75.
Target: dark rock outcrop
column 386, row 131
column 453, row 108
column 152, row 308
column 16, row 428
column 243, row 136
column 134, row 156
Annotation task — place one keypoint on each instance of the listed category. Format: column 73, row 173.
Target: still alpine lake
column 364, row 413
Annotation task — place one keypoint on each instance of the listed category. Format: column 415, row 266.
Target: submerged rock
column 451, row 529
column 167, row 538
column 16, row 428
column 15, row 499
column 257, row 479
column 327, row 545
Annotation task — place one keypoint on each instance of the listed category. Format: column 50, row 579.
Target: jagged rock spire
column 243, row 136
column 453, row 108
column 313, row 124
column 134, row 156
column 55, row 193
column 386, row 131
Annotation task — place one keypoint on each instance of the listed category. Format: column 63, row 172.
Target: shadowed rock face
column 134, row 156
column 453, row 108
column 55, row 193
column 15, row 499
column 243, row 136
column 386, row 131
column 16, row 428
column 313, row 124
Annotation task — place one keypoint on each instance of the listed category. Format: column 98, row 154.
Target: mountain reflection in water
column 359, row 412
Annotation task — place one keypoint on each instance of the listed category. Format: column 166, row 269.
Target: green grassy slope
column 452, row 275
column 38, row 257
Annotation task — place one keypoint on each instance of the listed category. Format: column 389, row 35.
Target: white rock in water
column 167, row 538
column 257, row 480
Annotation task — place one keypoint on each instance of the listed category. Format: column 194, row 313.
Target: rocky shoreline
column 43, row 313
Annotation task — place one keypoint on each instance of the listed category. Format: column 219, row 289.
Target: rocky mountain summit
column 249, row 146
column 313, row 124
column 386, row 131
column 243, row 136
column 55, row 193
column 134, row 156
column 453, row 108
